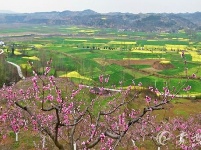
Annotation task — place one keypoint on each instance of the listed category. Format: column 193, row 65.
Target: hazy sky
column 102, row 6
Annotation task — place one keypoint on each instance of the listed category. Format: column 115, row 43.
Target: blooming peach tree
column 74, row 121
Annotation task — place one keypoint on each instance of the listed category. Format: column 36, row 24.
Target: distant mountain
column 125, row 21
column 6, row 12
column 195, row 17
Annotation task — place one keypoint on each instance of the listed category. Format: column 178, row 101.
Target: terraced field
column 82, row 54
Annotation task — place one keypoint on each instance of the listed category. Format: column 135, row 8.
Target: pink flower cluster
column 122, row 122
column 182, row 54
column 59, row 97
column 166, row 91
column 66, row 111
column 3, row 117
column 74, row 93
column 35, row 84
column 133, row 114
column 188, row 88
column 193, row 75
column 47, row 70
column 104, row 78
column 148, row 99
column 102, row 136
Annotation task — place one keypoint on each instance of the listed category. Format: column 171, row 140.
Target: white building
column 1, row 43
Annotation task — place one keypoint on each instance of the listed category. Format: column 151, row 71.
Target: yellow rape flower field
column 195, row 56
column 32, row 58
column 119, row 42
column 74, row 74
column 17, row 53
column 72, row 40
column 38, row 45
column 25, row 66
column 165, row 62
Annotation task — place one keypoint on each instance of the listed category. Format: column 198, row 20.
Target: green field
column 82, row 54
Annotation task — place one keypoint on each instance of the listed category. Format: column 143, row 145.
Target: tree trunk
column 60, row 146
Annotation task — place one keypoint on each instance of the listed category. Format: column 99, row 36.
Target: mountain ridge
column 149, row 22
column 7, row 12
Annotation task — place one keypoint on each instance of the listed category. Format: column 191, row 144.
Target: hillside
column 136, row 22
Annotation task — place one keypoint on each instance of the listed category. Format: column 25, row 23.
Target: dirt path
column 18, row 69
column 113, row 90
column 1, row 51
column 17, row 66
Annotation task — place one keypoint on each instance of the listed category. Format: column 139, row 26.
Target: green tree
column 3, row 73
column 13, row 49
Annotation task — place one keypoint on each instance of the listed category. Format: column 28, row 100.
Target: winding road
column 17, row 66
